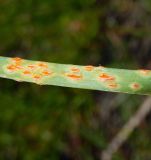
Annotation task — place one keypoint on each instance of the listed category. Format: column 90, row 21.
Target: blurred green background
column 56, row 123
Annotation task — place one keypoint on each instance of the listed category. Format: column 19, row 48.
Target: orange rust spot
column 46, row 73
column 113, row 86
column 26, row 72
column 37, row 76
column 18, row 66
column 74, row 76
column 17, row 59
column 42, row 65
column 144, row 72
column 74, row 69
column 135, row 86
column 89, row 68
column 31, row 66
column 106, row 77
column 11, row 67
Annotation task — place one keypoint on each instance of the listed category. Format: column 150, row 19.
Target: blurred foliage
column 41, row 122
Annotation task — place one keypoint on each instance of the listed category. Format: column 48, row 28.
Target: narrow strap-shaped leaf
column 86, row 77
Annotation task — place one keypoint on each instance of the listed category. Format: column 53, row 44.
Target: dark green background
column 56, row 123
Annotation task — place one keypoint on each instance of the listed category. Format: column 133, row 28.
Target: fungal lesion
column 35, row 71
column 73, row 73
column 89, row 68
column 135, row 86
column 108, row 80
column 74, row 76
column 47, row 72
column 14, row 65
column 144, row 72
column 113, row 85
column 17, row 60
column 26, row 72
column 75, row 69
column 38, row 71
column 42, row 64
column 106, row 77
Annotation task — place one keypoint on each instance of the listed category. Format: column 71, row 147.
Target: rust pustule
column 44, row 65
column 26, row 72
column 144, row 72
column 106, row 77
column 46, row 73
column 74, row 76
column 135, row 86
column 88, row 68
column 113, row 86
column 75, row 69
column 31, row 66
column 17, row 59
column 13, row 67
column 37, row 76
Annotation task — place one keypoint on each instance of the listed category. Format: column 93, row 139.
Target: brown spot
column 74, row 69
column 46, row 73
column 89, row 68
column 135, row 86
column 74, row 76
column 106, row 77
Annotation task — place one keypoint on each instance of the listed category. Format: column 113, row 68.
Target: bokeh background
column 56, row 123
